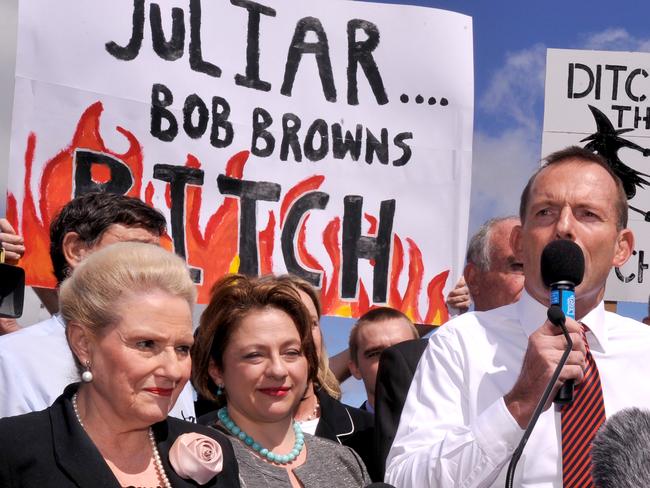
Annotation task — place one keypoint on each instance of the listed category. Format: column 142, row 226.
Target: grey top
column 328, row 465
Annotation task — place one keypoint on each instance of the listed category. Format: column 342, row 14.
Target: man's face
column 373, row 338
column 503, row 282
column 573, row 200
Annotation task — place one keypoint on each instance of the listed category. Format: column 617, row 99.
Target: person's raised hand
column 459, row 297
column 12, row 243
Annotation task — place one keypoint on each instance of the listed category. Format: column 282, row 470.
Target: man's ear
column 354, row 370
column 215, row 373
column 74, row 249
column 624, row 247
column 471, row 278
column 516, row 242
column 81, row 341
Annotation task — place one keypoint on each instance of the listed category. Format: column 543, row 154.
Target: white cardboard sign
column 601, row 98
column 328, row 139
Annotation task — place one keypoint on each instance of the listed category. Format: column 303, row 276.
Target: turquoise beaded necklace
column 230, row 424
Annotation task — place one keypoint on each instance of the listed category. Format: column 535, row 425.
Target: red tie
column 580, row 422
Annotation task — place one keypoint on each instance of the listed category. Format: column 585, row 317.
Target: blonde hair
column 90, row 297
column 325, row 377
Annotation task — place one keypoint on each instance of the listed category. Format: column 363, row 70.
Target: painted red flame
column 215, row 249
column 56, row 189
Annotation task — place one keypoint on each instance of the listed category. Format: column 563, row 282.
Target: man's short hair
column 580, row 153
column 478, row 250
column 91, row 214
column 371, row 316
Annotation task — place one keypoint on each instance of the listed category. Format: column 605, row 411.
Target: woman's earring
column 219, row 390
column 87, row 375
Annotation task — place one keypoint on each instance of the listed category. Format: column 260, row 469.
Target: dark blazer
column 397, row 365
column 349, row 426
column 50, row 449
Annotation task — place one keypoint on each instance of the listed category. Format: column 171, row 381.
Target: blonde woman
column 127, row 310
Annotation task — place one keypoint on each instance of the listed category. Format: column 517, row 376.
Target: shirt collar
column 57, row 316
column 532, row 315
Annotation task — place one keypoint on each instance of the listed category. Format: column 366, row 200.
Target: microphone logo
column 571, row 306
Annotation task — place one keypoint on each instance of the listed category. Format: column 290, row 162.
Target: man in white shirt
column 36, row 363
column 482, row 374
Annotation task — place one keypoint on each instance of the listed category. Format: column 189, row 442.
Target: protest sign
column 328, row 139
column 598, row 100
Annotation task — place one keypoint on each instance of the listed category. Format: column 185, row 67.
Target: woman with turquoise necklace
column 254, row 354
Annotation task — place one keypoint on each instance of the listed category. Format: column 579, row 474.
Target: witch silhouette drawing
column 606, row 141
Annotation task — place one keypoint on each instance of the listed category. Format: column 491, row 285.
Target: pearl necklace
column 313, row 414
column 266, row 454
column 160, row 470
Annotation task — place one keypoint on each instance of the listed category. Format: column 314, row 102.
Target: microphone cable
column 555, row 316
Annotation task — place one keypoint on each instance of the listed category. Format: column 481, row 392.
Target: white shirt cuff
column 497, row 432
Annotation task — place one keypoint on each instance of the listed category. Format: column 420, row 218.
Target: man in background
column 376, row 330
column 493, row 274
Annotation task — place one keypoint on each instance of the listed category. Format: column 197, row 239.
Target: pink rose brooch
column 197, row 457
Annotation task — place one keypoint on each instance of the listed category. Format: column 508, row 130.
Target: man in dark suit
column 494, row 278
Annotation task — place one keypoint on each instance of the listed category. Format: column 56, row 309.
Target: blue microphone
column 563, row 267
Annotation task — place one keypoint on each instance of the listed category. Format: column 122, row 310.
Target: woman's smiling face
column 264, row 369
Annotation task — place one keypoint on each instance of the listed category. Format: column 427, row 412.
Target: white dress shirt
column 36, row 365
column 455, row 429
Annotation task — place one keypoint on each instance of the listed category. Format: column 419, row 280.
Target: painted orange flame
column 215, row 249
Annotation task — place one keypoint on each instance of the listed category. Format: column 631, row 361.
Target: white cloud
column 504, row 161
column 615, row 39
column 517, row 88
column 501, row 167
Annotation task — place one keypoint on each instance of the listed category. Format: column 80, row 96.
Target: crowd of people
column 117, row 389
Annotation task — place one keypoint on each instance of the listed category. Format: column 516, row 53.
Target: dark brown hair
column 232, row 298
column 91, row 214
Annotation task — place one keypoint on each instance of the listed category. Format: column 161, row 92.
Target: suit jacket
column 349, row 426
column 397, row 365
column 50, row 449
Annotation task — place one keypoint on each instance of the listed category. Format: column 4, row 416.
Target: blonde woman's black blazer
column 49, row 449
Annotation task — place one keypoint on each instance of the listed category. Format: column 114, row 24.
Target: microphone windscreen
column 620, row 454
column 562, row 260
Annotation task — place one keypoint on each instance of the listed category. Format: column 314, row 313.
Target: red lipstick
column 166, row 392
column 278, row 391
